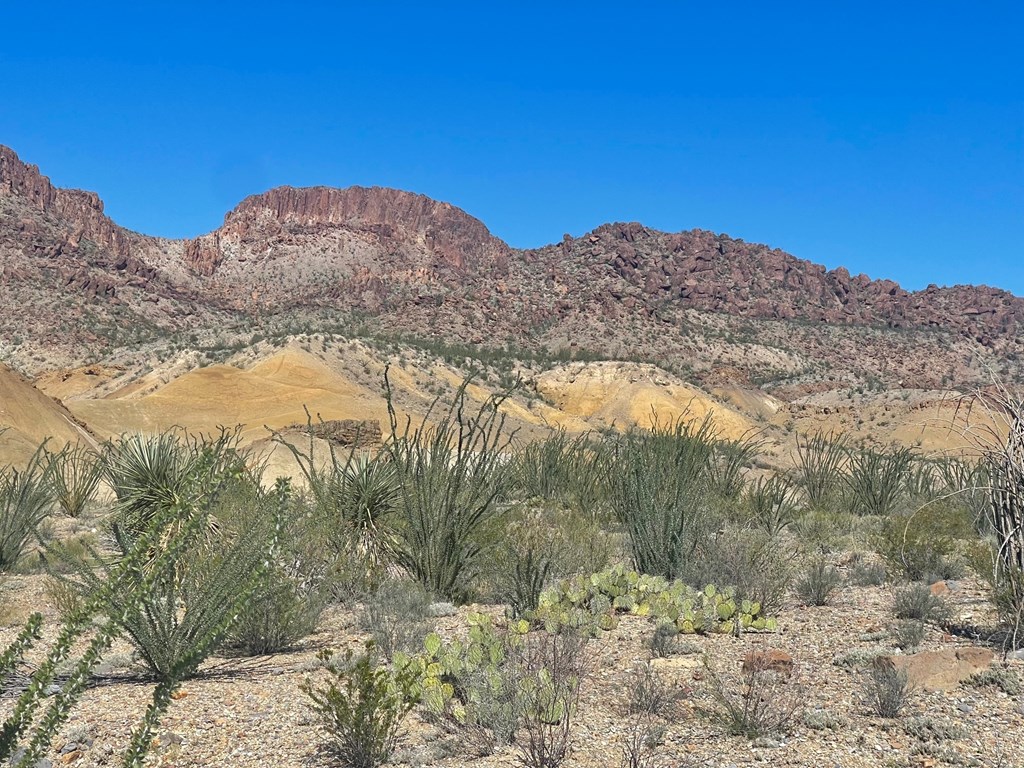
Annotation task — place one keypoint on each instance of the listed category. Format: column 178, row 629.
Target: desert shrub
column 664, row 640
column 397, row 617
column 293, row 588
column 758, row 566
column 1003, row 678
column 819, row 581
column 74, row 474
column 551, row 669
column 361, row 707
column 763, row 702
column 820, row 719
column 535, row 545
column 354, row 498
column 568, row 470
column 25, row 502
column 967, row 483
column 887, row 689
column 772, row 504
column 916, row 601
column 451, row 479
column 820, row 462
column 196, row 484
column 659, row 492
column 924, row 544
column 637, row 749
column 908, row 634
column 649, row 694
column 867, row 573
column 826, row 530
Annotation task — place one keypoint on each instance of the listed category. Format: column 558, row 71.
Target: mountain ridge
column 413, row 265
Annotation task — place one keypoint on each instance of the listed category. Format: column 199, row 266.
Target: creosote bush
column 888, row 689
column 361, row 707
column 916, row 601
column 818, row 583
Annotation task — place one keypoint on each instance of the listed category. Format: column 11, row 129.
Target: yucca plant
column 74, row 475
column 25, row 501
column 354, row 496
column 152, row 473
column 451, row 478
column 660, row 488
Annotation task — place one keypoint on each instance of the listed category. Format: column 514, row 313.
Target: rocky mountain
column 78, row 287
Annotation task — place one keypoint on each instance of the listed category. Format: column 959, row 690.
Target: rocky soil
column 250, row 712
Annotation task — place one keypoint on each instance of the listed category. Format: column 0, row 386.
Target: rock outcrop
column 81, row 211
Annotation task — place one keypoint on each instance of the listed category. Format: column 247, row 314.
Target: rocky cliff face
column 413, row 265
column 81, row 211
column 715, row 273
column 455, row 239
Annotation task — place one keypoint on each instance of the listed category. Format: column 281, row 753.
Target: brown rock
column 772, row 660
column 939, row 589
column 941, row 670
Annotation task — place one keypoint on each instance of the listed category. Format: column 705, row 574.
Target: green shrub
column 925, row 544
column 758, row 566
column 888, row 689
column 354, row 499
column 818, row 583
column 916, row 601
column 74, row 474
column 866, row 573
column 283, row 610
column 660, row 493
column 908, row 634
column 25, row 502
column 451, row 479
column 397, row 617
column 361, row 706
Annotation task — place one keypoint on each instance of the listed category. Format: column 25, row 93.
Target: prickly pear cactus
column 593, row 603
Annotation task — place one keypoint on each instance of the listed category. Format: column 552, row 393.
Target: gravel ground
column 250, row 712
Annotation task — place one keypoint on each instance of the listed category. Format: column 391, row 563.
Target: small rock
column 772, row 660
column 939, row 589
column 438, row 610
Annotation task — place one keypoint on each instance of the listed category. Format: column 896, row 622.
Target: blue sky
column 885, row 137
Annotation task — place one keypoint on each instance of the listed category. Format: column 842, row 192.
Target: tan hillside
column 28, row 416
column 622, row 394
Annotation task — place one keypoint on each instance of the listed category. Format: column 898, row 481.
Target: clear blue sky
column 886, row 137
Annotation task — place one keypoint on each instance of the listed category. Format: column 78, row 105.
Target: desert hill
column 28, row 416
column 138, row 332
